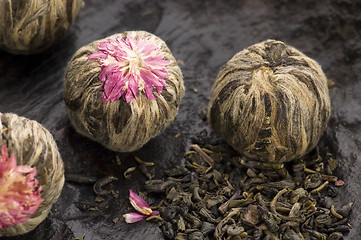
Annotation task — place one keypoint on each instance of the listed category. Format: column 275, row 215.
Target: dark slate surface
column 202, row 35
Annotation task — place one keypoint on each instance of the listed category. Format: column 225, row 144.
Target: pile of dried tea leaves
column 218, row 194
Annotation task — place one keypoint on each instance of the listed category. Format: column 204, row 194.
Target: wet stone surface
column 203, row 35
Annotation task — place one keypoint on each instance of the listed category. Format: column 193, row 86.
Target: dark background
column 203, row 35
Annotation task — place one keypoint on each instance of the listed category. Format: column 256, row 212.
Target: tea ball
column 32, row 146
column 28, row 27
column 123, row 90
column 270, row 102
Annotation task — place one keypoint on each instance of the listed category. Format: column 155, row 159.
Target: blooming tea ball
column 28, row 27
column 270, row 102
column 123, row 90
column 31, row 173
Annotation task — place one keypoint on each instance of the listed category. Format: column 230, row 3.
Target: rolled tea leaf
column 28, row 27
column 123, row 90
column 270, row 102
column 32, row 146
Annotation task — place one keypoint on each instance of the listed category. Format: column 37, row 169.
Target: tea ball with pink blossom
column 123, row 90
column 31, row 174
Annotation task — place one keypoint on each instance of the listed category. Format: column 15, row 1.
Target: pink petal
column 156, row 61
column 149, row 48
column 103, row 46
column 133, row 86
column 96, row 55
column 107, row 46
column 150, row 78
column 160, row 73
column 159, row 90
column 131, row 42
column 128, row 96
column 102, row 76
column 108, row 88
column 154, row 213
column 139, row 204
column 114, row 94
column 25, row 169
column 148, row 90
column 4, row 152
column 107, row 72
column 134, row 217
column 339, row 183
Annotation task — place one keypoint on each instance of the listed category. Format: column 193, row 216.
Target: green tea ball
column 270, row 102
column 32, row 26
column 32, row 146
column 123, row 90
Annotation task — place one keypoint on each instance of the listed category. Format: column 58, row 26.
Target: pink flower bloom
column 128, row 66
column 141, row 206
column 18, row 196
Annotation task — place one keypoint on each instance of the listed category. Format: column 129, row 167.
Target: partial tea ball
column 28, row 27
column 270, row 102
column 123, row 90
column 33, row 146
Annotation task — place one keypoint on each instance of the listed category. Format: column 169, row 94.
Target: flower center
column 134, row 63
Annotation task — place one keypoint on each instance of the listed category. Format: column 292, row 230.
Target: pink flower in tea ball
column 141, row 206
column 18, row 193
column 130, row 65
